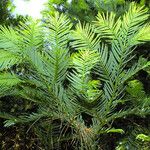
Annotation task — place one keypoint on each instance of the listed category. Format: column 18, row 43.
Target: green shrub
column 76, row 77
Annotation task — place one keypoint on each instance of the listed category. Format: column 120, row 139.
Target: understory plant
column 76, row 77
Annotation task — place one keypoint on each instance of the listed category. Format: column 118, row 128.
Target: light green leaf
column 113, row 130
column 143, row 137
column 8, row 59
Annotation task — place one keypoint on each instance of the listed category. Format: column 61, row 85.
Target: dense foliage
column 6, row 16
column 79, row 79
column 86, row 10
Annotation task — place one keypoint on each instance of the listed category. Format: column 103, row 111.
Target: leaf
column 31, row 35
column 107, row 26
column 83, row 62
column 135, row 89
column 58, row 30
column 7, row 83
column 9, row 123
column 8, row 59
column 113, row 130
column 143, row 137
column 84, row 37
column 142, row 36
column 132, row 22
column 10, row 40
column 141, row 64
column 9, row 80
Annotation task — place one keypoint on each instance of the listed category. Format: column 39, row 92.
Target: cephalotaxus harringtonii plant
column 71, row 74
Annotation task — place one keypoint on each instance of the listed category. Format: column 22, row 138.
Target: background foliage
column 6, row 16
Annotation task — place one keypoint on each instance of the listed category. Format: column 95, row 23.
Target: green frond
column 10, row 39
column 132, row 22
column 107, row 26
column 124, row 32
column 50, row 65
column 58, row 30
column 83, row 62
column 6, row 116
column 142, row 36
column 57, row 64
column 84, row 37
column 31, row 32
column 118, row 58
column 56, row 56
column 34, row 94
column 135, row 89
column 7, row 81
column 137, row 138
column 35, row 58
column 127, row 74
column 121, row 48
column 23, row 119
column 143, row 137
column 8, row 59
column 101, row 69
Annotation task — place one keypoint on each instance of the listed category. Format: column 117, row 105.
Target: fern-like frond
column 87, row 98
column 8, row 59
column 101, row 69
column 35, row 95
column 51, row 65
column 121, row 52
column 132, row 22
column 35, row 58
column 83, row 62
column 7, row 81
column 10, row 39
column 31, row 32
column 119, row 56
column 127, row 74
column 57, row 30
column 56, row 57
column 57, row 64
column 142, row 36
column 24, row 119
column 107, row 26
column 6, row 116
column 84, row 37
